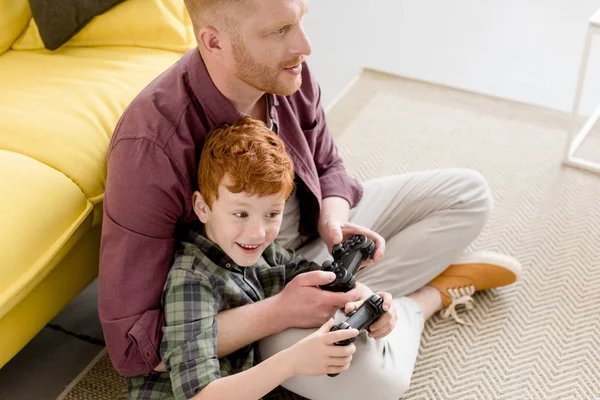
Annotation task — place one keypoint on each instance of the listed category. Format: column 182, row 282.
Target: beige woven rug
column 537, row 339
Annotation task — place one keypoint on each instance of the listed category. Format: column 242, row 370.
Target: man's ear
column 209, row 38
column 200, row 207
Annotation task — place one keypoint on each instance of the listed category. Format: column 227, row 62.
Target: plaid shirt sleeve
column 190, row 335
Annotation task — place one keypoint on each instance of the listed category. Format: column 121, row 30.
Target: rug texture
column 536, row 339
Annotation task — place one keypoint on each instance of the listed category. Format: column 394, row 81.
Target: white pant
column 427, row 218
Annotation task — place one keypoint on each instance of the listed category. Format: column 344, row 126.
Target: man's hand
column 365, row 293
column 334, row 231
column 161, row 367
column 384, row 325
column 305, row 305
column 334, row 227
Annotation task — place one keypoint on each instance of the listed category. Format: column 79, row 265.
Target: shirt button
column 228, row 265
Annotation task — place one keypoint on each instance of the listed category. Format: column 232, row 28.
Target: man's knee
column 477, row 191
column 370, row 378
column 388, row 385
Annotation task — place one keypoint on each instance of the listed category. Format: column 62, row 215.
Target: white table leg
column 574, row 140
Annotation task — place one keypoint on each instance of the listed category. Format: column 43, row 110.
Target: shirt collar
column 212, row 251
column 271, row 119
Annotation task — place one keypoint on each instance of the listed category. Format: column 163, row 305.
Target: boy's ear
column 200, row 207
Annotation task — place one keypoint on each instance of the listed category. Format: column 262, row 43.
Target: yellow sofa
column 58, row 110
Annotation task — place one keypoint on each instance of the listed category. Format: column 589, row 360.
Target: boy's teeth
column 248, row 247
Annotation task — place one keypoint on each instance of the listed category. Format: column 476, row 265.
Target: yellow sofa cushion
column 43, row 213
column 61, row 107
column 14, row 16
column 159, row 24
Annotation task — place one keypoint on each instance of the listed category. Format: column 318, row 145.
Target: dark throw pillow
column 59, row 20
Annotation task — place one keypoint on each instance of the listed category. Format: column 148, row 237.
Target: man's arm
column 243, row 325
column 301, row 304
column 141, row 205
column 335, row 208
column 240, row 326
column 335, row 211
column 333, row 178
column 339, row 191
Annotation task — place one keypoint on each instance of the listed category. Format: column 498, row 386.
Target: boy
column 245, row 177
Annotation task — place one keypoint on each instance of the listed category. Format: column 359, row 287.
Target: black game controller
column 347, row 257
column 361, row 319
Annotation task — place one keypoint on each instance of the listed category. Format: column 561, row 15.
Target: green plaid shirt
column 202, row 282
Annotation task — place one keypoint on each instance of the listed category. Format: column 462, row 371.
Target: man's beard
column 261, row 77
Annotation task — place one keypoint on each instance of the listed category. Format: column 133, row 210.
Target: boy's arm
column 313, row 355
column 251, row 384
column 190, row 345
column 190, row 334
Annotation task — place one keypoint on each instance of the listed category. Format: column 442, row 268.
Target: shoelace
column 459, row 296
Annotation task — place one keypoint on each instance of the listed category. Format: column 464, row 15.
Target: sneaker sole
column 493, row 258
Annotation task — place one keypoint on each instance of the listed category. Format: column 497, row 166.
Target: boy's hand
column 384, row 325
column 304, row 305
column 317, row 354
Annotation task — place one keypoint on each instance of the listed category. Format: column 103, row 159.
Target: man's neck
column 243, row 97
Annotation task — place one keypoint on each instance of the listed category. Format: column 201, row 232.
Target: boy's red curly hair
column 251, row 155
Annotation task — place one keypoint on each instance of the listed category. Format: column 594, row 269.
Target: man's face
column 243, row 225
column 269, row 46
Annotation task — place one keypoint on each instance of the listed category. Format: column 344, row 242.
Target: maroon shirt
column 152, row 171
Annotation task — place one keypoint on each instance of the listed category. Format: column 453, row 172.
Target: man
column 250, row 61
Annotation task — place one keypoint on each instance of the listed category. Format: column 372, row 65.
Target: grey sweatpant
column 427, row 218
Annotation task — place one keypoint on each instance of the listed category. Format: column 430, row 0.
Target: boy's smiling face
column 242, row 225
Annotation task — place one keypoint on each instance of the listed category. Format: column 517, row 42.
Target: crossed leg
column 427, row 218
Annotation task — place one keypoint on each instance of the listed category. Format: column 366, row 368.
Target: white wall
column 528, row 51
